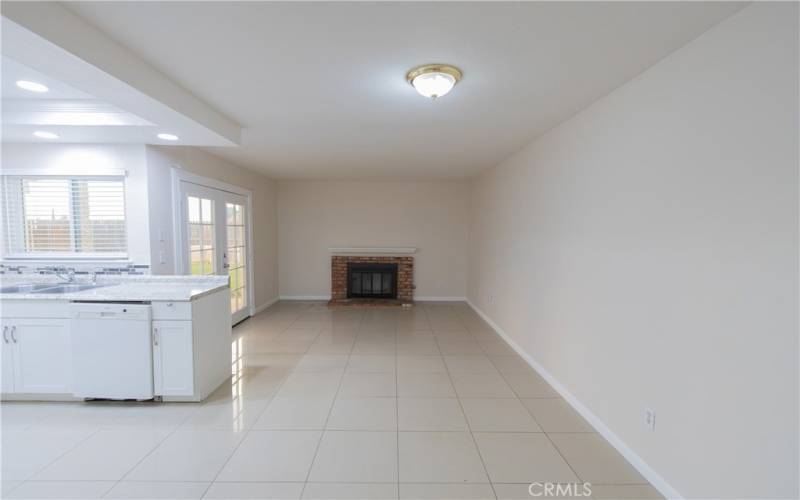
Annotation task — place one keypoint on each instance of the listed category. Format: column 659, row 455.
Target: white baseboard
column 305, row 297
column 328, row 297
column 265, row 305
column 440, row 299
column 638, row 463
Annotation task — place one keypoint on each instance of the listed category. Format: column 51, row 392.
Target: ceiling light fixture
column 41, row 134
column 434, row 80
column 32, row 86
column 168, row 137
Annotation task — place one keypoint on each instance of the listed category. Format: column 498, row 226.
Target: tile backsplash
column 77, row 268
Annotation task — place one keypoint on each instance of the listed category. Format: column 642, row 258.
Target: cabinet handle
column 5, row 334
column 13, row 330
column 169, row 304
column 155, row 336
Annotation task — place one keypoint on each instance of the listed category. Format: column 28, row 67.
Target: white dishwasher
column 112, row 357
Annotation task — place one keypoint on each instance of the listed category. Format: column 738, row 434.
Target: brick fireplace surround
column 405, row 274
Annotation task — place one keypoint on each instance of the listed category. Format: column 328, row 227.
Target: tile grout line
column 327, row 418
column 29, row 478
column 397, row 407
column 249, row 429
column 518, row 398
column 469, row 427
column 154, row 448
column 502, row 375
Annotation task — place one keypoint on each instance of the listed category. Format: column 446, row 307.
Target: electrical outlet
column 650, row 418
column 490, row 298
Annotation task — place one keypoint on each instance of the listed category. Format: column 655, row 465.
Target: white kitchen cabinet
column 173, row 359
column 36, row 356
column 191, row 346
column 7, row 349
column 40, row 365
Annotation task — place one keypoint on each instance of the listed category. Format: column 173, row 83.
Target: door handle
column 13, row 331
column 155, row 336
column 5, row 334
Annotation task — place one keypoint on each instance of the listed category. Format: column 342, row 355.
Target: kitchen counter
column 178, row 350
column 117, row 288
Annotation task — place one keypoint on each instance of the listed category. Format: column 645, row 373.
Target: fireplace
column 371, row 280
column 353, row 278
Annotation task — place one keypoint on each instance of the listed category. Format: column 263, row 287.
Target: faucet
column 70, row 277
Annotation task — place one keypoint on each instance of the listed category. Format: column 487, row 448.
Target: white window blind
column 69, row 216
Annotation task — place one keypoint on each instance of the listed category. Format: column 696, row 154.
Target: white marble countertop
column 120, row 287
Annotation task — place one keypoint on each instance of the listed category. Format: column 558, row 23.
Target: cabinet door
column 7, row 349
column 42, row 355
column 173, row 358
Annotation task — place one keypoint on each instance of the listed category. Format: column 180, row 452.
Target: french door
column 215, row 230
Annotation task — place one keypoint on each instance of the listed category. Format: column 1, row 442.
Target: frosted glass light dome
column 434, row 85
column 434, row 80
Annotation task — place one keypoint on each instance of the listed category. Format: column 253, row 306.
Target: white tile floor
column 369, row 403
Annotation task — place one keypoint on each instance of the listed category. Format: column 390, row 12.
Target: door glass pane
column 207, row 210
column 236, row 255
column 195, row 237
column 208, row 236
column 200, row 226
column 196, row 261
column 194, row 209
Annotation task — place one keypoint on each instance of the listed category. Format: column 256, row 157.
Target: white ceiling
column 14, row 70
column 73, row 115
column 319, row 88
column 98, row 91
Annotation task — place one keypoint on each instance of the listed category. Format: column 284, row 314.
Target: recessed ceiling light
column 41, row 134
column 168, row 137
column 434, row 80
column 32, row 86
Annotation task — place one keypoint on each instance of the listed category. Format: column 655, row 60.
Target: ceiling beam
column 67, row 31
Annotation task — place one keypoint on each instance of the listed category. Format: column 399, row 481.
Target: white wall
column 71, row 159
column 645, row 253
column 316, row 215
column 148, row 197
column 161, row 160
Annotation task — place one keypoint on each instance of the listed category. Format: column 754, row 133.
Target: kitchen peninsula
column 115, row 337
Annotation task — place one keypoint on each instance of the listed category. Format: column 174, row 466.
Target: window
column 201, row 235
column 64, row 216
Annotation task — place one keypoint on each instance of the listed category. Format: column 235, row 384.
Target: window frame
column 5, row 223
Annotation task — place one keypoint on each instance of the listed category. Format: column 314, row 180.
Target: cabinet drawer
column 172, row 310
column 35, row 309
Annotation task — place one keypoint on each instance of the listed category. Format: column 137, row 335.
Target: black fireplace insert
column 371, row 281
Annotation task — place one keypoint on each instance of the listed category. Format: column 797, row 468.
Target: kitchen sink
column 68, row 288
column 49, row 288
column 26, row 288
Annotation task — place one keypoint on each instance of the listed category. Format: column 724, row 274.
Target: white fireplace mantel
column 372, row 250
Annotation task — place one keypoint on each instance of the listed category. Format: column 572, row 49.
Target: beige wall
column 161, row 159
column 316, row 215
column 645, row 253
